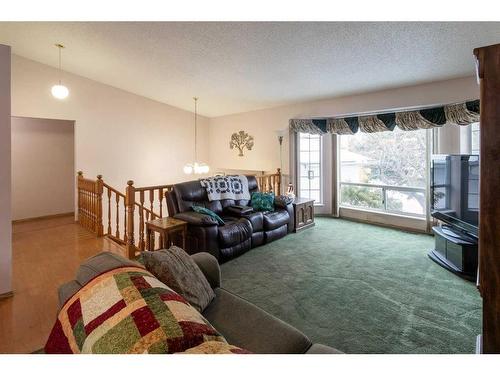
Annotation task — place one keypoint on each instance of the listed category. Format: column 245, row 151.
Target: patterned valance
column 464, row 113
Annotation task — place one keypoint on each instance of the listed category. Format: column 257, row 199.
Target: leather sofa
column 240, row 233
column 242, row 323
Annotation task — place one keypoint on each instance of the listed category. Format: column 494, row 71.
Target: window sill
column 404, row 222
column 422, row 218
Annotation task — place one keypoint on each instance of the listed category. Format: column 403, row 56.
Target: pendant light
column 60, row 91
column 196, row 167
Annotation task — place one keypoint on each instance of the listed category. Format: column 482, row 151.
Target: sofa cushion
column 256, row 219
column 231, row 252
column 192, row 193
column 257, row 239
column 176, row 269
column 275, row 234
column 247, row 326
column 226, row 203
column 206, row 211
column 276, row 219
column 262, row 201
column 234, row 233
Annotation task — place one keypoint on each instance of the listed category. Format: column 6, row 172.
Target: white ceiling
column 237, row 67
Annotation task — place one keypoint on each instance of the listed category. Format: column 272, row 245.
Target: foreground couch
column 239, row 321
column 240, row 233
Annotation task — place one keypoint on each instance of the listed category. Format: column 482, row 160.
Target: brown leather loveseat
column 241, row 231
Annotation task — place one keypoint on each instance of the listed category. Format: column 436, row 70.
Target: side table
column 303, row 209
column 165, row 226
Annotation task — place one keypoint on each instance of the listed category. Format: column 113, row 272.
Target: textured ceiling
column 236, row 67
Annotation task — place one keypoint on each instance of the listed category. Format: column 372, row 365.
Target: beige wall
column 117, row 134
column 5, row 210
column 43, row 164
column 263, row 124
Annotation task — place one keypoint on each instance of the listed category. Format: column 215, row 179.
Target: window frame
column 321, row 189
column 471, row 135
column 385, row 188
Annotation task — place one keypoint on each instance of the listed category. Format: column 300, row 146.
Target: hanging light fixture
column 196, row 167
column 60, row 91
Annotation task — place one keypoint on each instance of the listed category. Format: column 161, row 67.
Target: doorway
column 43, row 165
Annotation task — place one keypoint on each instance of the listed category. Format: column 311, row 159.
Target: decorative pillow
column 206, row 211
column 262, row 201
column 128, row 310
column 283, row 201
column 175, row 268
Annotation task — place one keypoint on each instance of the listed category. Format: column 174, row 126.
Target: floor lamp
column 281, row 136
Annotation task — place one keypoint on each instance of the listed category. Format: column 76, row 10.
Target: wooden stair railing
column 270, row 182
column 90, row 203
column 126, row 214
column 142, row 198
column 115, row 208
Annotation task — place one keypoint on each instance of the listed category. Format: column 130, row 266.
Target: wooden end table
column 165, row 227
column 303, row 209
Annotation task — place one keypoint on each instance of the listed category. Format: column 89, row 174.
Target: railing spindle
column 141, row 221
column 125, row 221
column 117, row 233
column 130, row 198
column 109, row 211
column 151, row 199
column 160, row 197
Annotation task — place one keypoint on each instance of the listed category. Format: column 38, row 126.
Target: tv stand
column 455, row 251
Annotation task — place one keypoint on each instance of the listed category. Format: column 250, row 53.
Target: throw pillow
column 175, row 268
column 128, row 310
column 262, row 201
column 283, row 201
column 206, row 211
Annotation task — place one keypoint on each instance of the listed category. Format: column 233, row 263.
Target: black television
column 455, row 191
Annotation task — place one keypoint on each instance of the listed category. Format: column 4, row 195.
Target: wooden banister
column 270, row 182
column 130, row 206
column 127, row 213
column 90, row 203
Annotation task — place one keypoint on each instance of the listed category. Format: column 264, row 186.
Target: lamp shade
column 188, row 169
column 60, row 92
column 196, row 168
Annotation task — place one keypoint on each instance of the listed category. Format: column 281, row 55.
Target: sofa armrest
column 286, row 203
column 66, row 291
column 196, row 218
column 210, row 267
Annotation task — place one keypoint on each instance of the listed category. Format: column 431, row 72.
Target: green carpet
column 361, row 289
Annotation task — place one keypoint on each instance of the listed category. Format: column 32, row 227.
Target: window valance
column 463, row 113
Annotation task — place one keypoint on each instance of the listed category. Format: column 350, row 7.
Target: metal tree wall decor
column 240, row 141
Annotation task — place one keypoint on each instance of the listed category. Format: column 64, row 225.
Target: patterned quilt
column 226, row 187
column 128, row 310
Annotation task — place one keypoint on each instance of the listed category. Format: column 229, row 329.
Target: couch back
column 186, row 194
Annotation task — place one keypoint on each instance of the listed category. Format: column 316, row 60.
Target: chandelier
column 196, row 167
column 60, row 91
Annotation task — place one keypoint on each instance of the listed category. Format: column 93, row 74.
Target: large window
column 309, row 167
column 384, row 171
column 474, row 130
